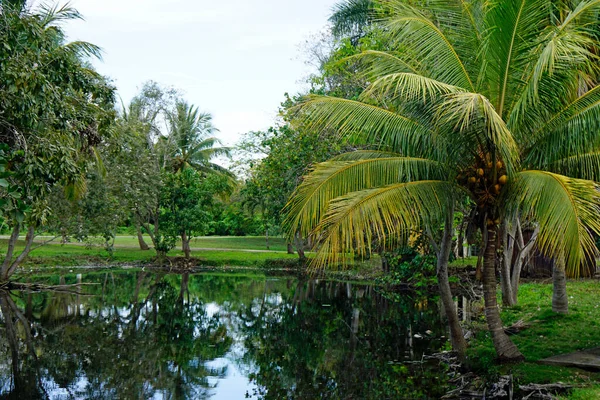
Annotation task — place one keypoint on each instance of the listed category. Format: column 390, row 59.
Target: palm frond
column 408, row 87
column 51, row 15
column 377, row 125
column 567, row 211
column 83, row 49
column 514, row 30
column 337, row 178
column 565, row 49
column 350, row 17
column 570, row 131
column 208, row 154
column 417, row 34
column 364, row 155
column 375, row 63
column 353, row 222
column 581, row 166
column 585, row 9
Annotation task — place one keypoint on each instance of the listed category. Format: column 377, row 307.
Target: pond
column 139, row 335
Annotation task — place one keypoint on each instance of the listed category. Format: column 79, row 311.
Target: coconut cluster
column 485, row 179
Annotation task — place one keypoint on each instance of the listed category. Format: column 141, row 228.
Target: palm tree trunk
column 456, row 334
column 505, row 348
column 290, row 248
column 560, row 301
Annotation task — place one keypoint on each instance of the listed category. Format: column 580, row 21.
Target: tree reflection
column 158, row 344
column 335, row 342
column 142, row 335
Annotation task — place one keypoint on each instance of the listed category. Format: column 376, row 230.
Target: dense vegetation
column 431, row 129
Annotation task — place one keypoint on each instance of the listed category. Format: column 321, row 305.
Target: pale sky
column 233, row 58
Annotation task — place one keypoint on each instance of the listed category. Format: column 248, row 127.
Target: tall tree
column 134, row 159
column 54, row 110
column 515, row 128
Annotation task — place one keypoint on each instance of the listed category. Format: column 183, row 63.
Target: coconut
column 503, row 179
column 480, row 172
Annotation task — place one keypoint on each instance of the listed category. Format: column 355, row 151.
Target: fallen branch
column 37, row 287
column 517, row 327
column 543, row 392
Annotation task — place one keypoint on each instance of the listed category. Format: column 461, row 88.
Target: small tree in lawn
column 187, row 201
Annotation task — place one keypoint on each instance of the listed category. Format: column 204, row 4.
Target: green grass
column 237, row 242
column 583, row 394
column 464, row 262
column 550, row 334
column 73, row 255
column 206, row 242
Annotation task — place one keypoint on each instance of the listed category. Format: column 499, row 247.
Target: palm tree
column 495, row 102
column 191, row 142
column 351, row 18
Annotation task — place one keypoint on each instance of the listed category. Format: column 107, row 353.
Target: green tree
column 186, row 203
column 290, row 153
column 54, row 110
column 499, row 104
column 190, row 142
column 134, row 160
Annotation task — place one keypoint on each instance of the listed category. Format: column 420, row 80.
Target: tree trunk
column 185, row 244
column 385, row 264
column 12, row 242
column 290, row 248
column 508, row 245
column 9, row 266
column 299, row 243
column 183, row 289
column 524, row 251
column 140, row 237
column 267, row 237
column 505, row 348
column 456, row 334
column 149, row 231
column 513, row 265
column 560, row 301
column 460, row 240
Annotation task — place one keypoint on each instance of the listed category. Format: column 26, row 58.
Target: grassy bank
column 549, row 334
column 216, row 252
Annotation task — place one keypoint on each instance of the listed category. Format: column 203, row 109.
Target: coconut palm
column 497, row 102
column 191, row 142
column 351, row 17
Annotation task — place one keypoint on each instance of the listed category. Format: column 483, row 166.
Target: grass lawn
column 204, row 242
column 550, row 334
column 126, row 251
column 218, row 242
column 464, row 262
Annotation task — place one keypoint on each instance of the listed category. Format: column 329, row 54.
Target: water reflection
column 141, row 336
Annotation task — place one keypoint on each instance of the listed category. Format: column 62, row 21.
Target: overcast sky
column 233, row 58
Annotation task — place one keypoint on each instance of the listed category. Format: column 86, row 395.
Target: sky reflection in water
column 139, row 335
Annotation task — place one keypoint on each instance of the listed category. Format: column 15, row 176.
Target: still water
column 138, row 335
